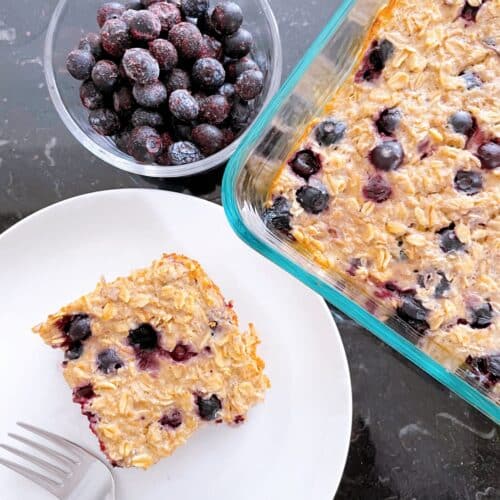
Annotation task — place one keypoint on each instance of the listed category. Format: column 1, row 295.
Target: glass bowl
column 72, row 18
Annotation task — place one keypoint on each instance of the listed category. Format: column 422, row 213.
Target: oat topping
column 402, row 199
column 152, row 356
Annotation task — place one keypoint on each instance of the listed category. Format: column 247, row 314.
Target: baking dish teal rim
column 360, row 315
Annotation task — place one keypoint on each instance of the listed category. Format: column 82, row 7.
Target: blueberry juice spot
column 481, row 316
column 182, row 353
column 209, row 408
column 414, row 313
column 377, row 189
column 354, row 265
column 305, row 163
column 82, row 395
column 172, row 419
column 469, row 13
column 278, row 216
column 374, row 61
column 449, row 241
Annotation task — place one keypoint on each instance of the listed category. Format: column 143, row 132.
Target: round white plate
column 292, row 447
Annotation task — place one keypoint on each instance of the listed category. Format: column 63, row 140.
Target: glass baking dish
column 330, row 59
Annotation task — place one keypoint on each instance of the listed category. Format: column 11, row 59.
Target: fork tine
column 41, row 480
column 43, row 464
column 77, row 450
column 45, row 449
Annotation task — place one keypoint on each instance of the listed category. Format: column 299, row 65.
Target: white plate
column 292, row 447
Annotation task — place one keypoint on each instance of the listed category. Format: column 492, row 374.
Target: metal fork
column 78, row 474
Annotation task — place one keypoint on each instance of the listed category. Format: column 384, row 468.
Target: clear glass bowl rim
column 149, row 170
column 331, row 294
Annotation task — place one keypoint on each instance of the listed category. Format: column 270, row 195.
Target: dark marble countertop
column 411, row 438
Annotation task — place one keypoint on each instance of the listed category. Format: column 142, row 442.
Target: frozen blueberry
column 443, row 286
column 182, row 131
column 305, row 163
column 413, row 312
column 235, row 68
column 92, row 43
column 104, row 121
column 240, row 115
column 388, row 121
column 462, row 123
column 133, row 4
column 145, row 26
column 164, row 52
column 177, row 80
column 481, row 316
column 77, row 327
column 210, row 47
column 208, row 138
column 151, row 95
column 147, row 3
column 227, row 18
column 140, row 66
column 109, row 10
column 194, row 8
column 214, row 109
column 168, row 14
column 105, row 75
column 122, row 140
column 145, row 144
column 79, row 63
column 90, row 95
column 205, row 24
column 239, row 44
column 183, row 105
column 127, row 16
column 228, row 91
column 144, row 338
column 166, row 142
column 208, row 408
column 377, row 189
column 74, row 351
column 123, row 101
column 471, row 79
column 182, row 352
column 329, row 132
column 313, row 198
column 173, row 418
column 208, row 73
column 278, row 216
column 146, row 117
column 108, row 361
column 469, row 182
column 229, row 136
column 448, row 240
column 388, row 155
column 187, row 39
column 183, row 152
column 115, row 37
column 489, row 154
column 249, row 84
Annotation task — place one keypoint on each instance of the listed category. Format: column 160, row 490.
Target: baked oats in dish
column 152, row 356
column 396, row 187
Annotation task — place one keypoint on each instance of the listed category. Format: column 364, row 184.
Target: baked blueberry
column 73, row 351
column 105, row 75
column 239, row 44
column 305, row 163
column 469, row 12
column 150, row 95
column 183, row 152
column 210, row 47
column 108, row 361
column 377, row 189
column 178, row 79
column 145, row 144
column 109, row 10
column 227, row 18
column 443, row 286
column 140, row 66
column 183, row 105
column 115, row 37
column 168, row 14
column 388, row 121
column 469, row 182
column 77, row 327
column 471, row 79
column 145, row 26
column 462, row 123
column 187, row 39
column 388, row 155
column 329, row 132
column 144, row 338
column 104, row 121
column 313, row 198
column 123, row 101
column 208, row 73
column 278, row 216
column 214, row 109
column 146, row 117
column 489, row 154
column 91, row 96
column 92, row 43
column 164, row 52
column 380, row 54
column 79, row 64
column 481, row 316
column 208, row 408
column 172, row 419
column 83, row 394
column 448, row 240
column 484, row 370
column 194, row 8
column 208, row 138
column 413, row 312
column 249, row 84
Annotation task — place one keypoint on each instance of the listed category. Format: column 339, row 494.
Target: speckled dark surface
column 412, row 438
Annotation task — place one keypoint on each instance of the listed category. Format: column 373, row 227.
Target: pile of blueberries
column 171, row 80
